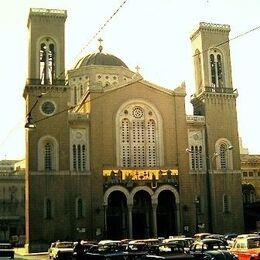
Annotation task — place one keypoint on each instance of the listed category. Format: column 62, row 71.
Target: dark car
column 210, row 249
column 186, row 242
column 114, row 251
column 6, row 250
column 167, row 251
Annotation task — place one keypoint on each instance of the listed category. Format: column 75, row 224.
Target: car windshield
column 65, row 245
column 254, row 243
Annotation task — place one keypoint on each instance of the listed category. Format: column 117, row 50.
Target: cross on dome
column 100, row 48
column 137, row 69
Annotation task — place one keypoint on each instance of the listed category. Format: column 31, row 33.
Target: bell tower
column 46, row 98
column 46, row 46
column 215, row 99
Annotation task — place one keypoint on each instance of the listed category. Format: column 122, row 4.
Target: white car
column 61, row 250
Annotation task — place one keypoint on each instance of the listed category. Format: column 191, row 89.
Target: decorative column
column 178, row 221
column 154, row 206
column 130, row 221
column 105, row 220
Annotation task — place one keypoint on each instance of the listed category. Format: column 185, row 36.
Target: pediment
column 179, row 90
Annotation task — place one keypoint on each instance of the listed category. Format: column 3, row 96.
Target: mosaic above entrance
column 134, row 177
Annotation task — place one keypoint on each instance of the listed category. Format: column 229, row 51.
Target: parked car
column 230, row 237
column 210, row 249
column 199, row 236
column 113, row 252
column 167, row 251
column 61, row 250
column 6, row 250
column 247, row 248
column 186, row 242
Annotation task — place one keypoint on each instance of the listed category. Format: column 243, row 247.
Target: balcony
column 195, row 119
column 56, row 82
column 77, row 118
column 220, row 90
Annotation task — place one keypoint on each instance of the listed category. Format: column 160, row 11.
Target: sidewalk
column 22, row 252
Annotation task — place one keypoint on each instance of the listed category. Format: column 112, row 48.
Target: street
column 32, row 257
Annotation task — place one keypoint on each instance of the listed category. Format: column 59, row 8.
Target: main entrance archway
column 166, row 214
column 141, row 215
column 117, row 215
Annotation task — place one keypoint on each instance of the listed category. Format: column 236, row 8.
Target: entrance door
column 116, row 216
column 166, row 214
column 142, row 227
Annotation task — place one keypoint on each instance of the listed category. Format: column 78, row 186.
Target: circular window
column 138, row 112
column 48, row 107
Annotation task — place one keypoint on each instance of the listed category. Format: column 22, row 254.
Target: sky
column 153, row 34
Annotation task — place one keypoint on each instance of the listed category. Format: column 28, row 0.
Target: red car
column 247, row 248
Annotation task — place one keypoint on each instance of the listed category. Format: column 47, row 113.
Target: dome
column 100, row 58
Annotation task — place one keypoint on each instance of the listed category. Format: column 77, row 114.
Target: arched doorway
column 116, row 216
column 166, row 214
column 142, row 212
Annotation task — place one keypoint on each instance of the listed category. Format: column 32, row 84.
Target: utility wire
column 102, row 27
column 72, row 107
column 78, row 105
column 97, row 33
column 86, row 45
column 229, row 40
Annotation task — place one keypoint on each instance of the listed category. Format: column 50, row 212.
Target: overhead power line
column 229, row 40
column 100, row 29
column 72, row 107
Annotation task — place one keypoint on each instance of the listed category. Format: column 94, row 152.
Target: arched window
column 47, row 61
column 138, row 136
column 47, row 154
column 224, row 157
column 216, row 70
column 249, row 193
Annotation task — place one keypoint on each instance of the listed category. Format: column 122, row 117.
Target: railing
column 219, row 90
column 78, row 117
column 38, row 82
column 195, row 119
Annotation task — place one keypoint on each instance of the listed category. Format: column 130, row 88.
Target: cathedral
column 112, row 155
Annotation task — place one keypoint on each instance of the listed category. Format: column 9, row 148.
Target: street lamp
column 29, row 123
column 197, row 204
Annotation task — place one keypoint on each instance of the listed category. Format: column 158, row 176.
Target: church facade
column 111, row 155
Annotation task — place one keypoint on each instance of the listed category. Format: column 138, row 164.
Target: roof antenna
column 100, row 45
